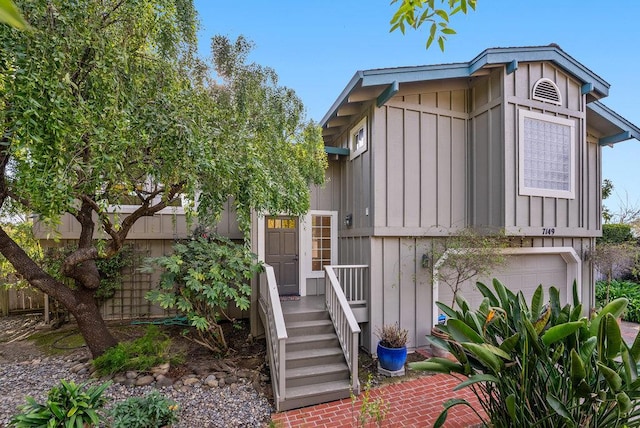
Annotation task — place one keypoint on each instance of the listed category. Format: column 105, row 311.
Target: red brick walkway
column 415, row 403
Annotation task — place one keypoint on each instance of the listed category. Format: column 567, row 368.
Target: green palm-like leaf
column 560, row 409
column 615, row 308
column 613, row 335
column 486, row 292
column 478, row 378
column 10, row 14
column 559, row 332
column 613, row 379
column 461, row 332
column 578, row 372
column 537, row 300
column 438, row 365
column 487, row 356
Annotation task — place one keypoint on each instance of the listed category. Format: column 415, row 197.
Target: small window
column 281, row 223
column 320, row 242
column 358, row 139
column 547, row 155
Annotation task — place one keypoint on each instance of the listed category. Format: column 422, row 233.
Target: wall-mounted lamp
column 426, row 261
column 348, row 220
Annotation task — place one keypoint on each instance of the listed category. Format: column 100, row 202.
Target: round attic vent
column 547, row 91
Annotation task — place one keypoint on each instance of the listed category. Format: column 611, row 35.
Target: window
column 358, row 139
column 547, row 155
column 320, row 242
column 281, row 223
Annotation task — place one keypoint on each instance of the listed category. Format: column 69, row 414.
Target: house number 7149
column 548, row 230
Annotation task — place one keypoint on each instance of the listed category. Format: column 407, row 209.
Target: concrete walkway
column 415, row 403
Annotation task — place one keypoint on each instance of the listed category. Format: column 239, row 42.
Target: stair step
column 311, row 357
column 306, row 328
column 317, row 374
column 301, row 396
column 300, row 343
column 307, row 315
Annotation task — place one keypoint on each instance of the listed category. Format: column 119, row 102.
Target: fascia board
column 342, row 97
column 613, row 117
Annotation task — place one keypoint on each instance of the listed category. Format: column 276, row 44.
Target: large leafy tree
column 105, row 100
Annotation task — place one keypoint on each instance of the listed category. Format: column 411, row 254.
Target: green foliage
column 538, row 364
column 22, row 233
column 140, row 355
column 615, row 233
column 371, row 410
column 415, row 13
column 151, row 411
column 468, row 254
column 68, row 405
column 607, row 190
column 105, row 101
column 617, row 289
column 200, row 279
column 110, row 268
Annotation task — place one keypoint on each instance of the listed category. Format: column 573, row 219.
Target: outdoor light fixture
column 348, row 220
column 425, row 261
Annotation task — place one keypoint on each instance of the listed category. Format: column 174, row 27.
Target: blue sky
column 317, row 46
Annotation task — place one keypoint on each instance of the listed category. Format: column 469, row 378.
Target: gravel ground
column 237, row 405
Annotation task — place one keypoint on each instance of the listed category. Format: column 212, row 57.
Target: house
column 508, row 141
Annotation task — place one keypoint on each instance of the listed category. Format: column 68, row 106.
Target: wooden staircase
column 316, row 369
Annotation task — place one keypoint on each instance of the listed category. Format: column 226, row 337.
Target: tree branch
column 145, row 210
column 33, row 273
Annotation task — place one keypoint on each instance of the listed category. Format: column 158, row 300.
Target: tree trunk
column 90, row 323
column 80, row 302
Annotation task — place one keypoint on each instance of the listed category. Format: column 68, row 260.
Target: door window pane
column 321, row 242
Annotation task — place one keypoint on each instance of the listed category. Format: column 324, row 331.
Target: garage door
column 520, row 272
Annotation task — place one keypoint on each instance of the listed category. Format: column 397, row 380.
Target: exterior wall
column 486, row 152
column 420, row 160
column 165, row 225
column 528, row 215
column 402, row 288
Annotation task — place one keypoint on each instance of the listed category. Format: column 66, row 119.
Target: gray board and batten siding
column 443, row 155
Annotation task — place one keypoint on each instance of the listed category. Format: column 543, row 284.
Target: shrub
column 616, row 233
column 141, row 354
column 627, row 289
column 68, row 405
column 151, row 411
column 540, row 364
column 200, row 279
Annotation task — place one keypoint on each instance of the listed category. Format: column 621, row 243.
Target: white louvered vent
column 547, row 91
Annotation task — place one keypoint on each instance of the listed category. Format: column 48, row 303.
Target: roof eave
column 627, row 129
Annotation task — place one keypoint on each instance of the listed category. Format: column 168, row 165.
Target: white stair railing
column 276, row 333
column 353, row 280
column 344, row 322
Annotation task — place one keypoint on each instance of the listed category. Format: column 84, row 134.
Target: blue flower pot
column 392, row 359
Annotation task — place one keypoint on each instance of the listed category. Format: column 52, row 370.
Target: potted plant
column 392, row 347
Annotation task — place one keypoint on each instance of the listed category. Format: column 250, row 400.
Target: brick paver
column 414, row 403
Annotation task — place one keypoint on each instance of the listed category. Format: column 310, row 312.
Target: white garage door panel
column 520, row 272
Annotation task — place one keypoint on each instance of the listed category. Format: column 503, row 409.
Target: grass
column 57, row 342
